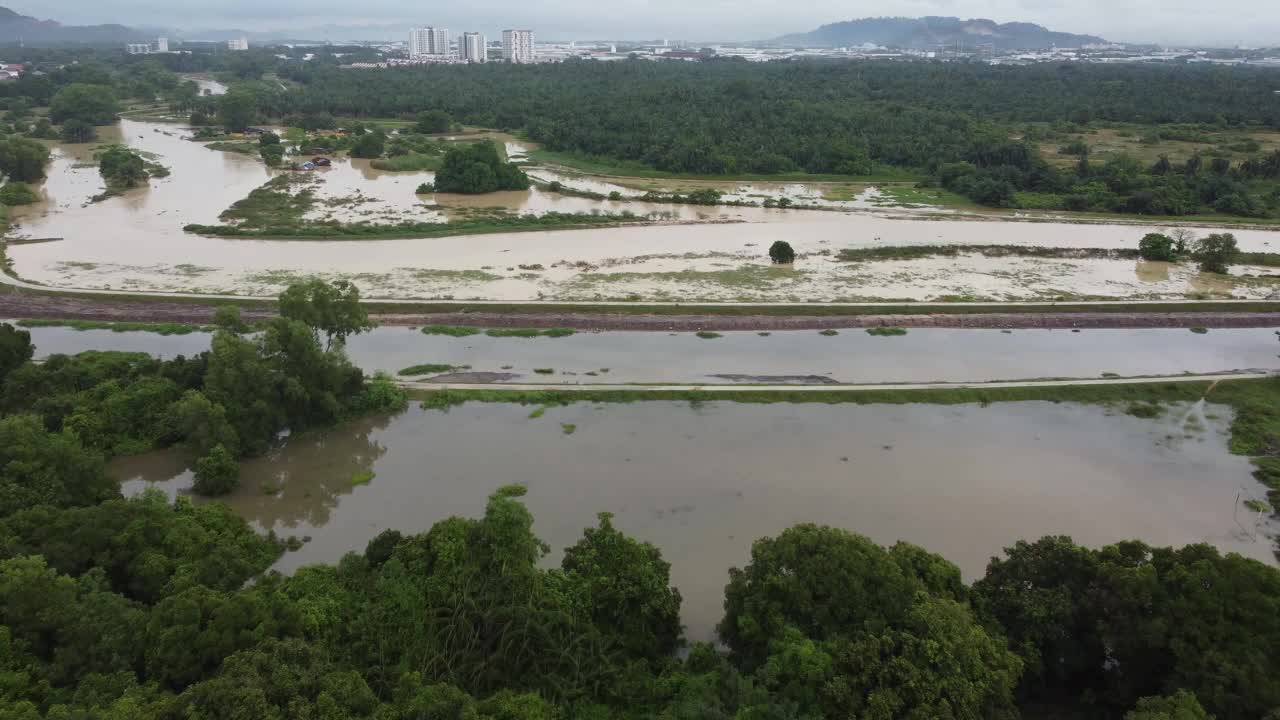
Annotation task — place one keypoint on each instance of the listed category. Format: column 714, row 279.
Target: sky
column 1222, row 23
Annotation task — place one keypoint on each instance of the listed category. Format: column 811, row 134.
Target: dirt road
column 77, row 308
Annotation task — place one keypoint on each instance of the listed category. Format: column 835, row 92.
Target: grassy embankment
column 412, row 162
column 1255, row 430
column 159, row 328
column 277, row 211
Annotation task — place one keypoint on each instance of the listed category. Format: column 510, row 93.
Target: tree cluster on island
column 1213, row 253
column 475, row 168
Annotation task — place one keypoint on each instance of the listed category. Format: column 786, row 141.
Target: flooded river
column 703, row 482
column 852, row 357
column 136, row 242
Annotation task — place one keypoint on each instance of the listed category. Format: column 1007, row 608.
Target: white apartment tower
column 517, row 46
column 472, row 48
column 162, row 45
column 240, row 45
column 428, row 42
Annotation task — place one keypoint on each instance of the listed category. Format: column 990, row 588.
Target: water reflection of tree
column 310, row 473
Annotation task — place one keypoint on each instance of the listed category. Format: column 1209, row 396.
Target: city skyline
column 1176, row 22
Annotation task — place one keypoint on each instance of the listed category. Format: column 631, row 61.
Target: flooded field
column 790, row 357
column 136, row 242
column 703, row 483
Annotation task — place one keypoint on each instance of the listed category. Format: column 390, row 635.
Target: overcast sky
column 1225, row 22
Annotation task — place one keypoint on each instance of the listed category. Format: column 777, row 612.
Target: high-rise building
column 162, row 45
column 472, row 48
column 241, row 44
column 428, row 42
column 517, row 46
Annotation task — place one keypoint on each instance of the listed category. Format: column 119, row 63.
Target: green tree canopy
column 38, row 467
column 623, row 586
column 433, row 122
column 237, row 109
column 1216, row 252
column 217, row 473
column 92, row 104
column 476, row 168
column 1156, row 246
column 76, row 130
column 122, row 167
column 15, row 349
column 23, row 160
column 332, row 308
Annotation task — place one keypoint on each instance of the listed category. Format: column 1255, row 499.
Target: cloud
column 1227, row 22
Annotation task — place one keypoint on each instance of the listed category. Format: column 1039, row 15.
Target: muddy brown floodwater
column 136, row 242
column 853, row 356
column 703, row 482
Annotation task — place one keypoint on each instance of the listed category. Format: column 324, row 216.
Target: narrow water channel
column 852, row 356
column 703, row 482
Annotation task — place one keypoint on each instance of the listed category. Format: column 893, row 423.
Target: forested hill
column 932, row 32
column 32, row 31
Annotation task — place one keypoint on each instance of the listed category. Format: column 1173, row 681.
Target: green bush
column 91, row 104
column 17, row 193
column 272, row 155
column 1157, row 247
column 1216, row 252
column 781, row 253
column 217, row 473
column 369, row 146
column 76, row 130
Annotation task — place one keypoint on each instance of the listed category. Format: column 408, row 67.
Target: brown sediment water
column 136, row 242
column 702, row 482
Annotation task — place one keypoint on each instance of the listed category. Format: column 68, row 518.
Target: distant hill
column 933, row 32
column 16, row 28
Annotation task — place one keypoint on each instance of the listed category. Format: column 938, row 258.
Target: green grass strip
column 120, row 327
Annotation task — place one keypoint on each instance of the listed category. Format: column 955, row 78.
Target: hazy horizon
column 1234, row 22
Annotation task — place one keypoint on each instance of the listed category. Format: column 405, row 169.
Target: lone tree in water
column 1215, row 252
column 781, row 253
column 1156, row 246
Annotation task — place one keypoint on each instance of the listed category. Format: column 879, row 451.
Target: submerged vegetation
column 124, row 169
column 429, row 369
column 229, row 402
column 278, row 209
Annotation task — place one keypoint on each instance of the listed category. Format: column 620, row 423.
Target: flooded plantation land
column 702, row 482
column 677, row 252
column 781, row 357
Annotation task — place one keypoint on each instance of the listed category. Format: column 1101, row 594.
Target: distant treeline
column 968, row 126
